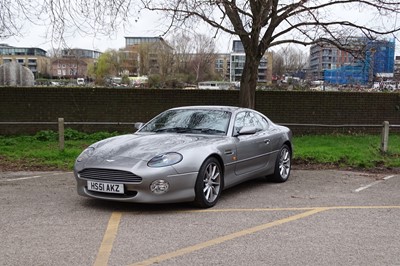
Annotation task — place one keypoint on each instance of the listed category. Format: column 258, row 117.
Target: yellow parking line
column 113, row 224
column 222, row 239
column 364, row 207
column 252, row 210
column 108, row 240
column 293, row 209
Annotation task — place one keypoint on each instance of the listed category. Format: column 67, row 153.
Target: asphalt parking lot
column 322, row 217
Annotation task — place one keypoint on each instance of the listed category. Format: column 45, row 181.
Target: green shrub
column 46, row 135
column 72, row 134
column 101, row 135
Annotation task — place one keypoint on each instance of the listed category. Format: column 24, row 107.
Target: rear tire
column 209, row 183
column 282, row 165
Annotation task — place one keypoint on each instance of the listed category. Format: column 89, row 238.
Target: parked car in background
column 186, row 154
column 80, row 81
column 216, row 85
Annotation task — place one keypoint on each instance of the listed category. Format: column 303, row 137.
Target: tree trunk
column 248, row 82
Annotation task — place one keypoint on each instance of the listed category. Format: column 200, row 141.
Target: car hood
column 146, row 146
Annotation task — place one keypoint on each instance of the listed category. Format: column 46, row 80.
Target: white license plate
column 105, row 187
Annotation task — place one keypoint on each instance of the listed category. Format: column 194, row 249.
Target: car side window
column 239, row 121
column 254, row 121
column 263, row 122
column 249, row 119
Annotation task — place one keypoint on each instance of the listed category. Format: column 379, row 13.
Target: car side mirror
column 139, row 125
column 247, row 131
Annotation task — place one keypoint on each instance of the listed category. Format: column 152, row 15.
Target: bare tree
column 278, row 64
column 194, row 54
column 8, row 25
column 65, row 18
column 259, row 25
column 294, row 59
column 155, row 58
column 165, row 59
column 204, row 55
column 182, row 45
column 289, row 59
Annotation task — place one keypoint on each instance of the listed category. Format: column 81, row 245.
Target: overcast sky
column 35, row 36
column 147, row 25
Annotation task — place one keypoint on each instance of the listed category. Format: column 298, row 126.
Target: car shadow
column 247, row 186
column 127, row 207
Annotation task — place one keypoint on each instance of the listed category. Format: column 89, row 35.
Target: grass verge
column 358, row 151
column 40, row 152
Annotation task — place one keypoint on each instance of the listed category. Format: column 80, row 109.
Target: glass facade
column 237, row 47
column 81, row 53
column 129, row 41
column 9, row 50
column 237, row 61
column 33, row 58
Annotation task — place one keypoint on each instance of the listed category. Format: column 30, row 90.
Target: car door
column 253, row 148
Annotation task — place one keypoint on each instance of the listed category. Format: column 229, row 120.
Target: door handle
column 267, row 141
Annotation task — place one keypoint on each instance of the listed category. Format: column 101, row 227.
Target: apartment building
column 143, row 56
column 397, row 69
column 237, row 61
column 222, row 65
column 31, row 57
column 373, row 58
column 73, row 63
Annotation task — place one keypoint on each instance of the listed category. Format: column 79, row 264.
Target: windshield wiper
column 190, row 130
column 209, row 130
column 173, row 129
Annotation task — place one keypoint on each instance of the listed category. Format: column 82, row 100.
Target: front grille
column 109, row 175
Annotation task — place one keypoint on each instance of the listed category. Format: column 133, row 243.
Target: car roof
column 211, row 107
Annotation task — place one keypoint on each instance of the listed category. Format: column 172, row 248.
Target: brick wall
column 132, row 105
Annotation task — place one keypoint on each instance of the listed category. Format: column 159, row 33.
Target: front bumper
column 181, row 189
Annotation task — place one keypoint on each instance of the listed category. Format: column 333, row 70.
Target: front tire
column 283, row 165
column 209, row 183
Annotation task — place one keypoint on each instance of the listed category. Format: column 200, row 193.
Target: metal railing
column 384, row 135
column 61, row 128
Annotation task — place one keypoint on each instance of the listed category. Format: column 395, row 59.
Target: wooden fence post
column 61, row 133
column 385, row 137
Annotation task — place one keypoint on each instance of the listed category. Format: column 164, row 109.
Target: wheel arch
column 221, row 163
column 202, row 200
column 289, row 144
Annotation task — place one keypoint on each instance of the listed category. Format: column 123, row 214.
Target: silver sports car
column 186, row 154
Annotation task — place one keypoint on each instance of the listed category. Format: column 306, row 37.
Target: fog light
column 159, row 186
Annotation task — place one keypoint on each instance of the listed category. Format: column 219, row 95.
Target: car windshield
column 196, row 121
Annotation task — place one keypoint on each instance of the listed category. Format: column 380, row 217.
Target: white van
column 215, row 85
column 80, row 81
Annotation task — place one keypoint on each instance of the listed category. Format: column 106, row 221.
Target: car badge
column 108, row 160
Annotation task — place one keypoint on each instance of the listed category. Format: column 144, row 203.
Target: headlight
column 165, row 159
column 85, row 154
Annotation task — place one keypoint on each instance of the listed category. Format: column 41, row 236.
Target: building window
column 219, row 64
